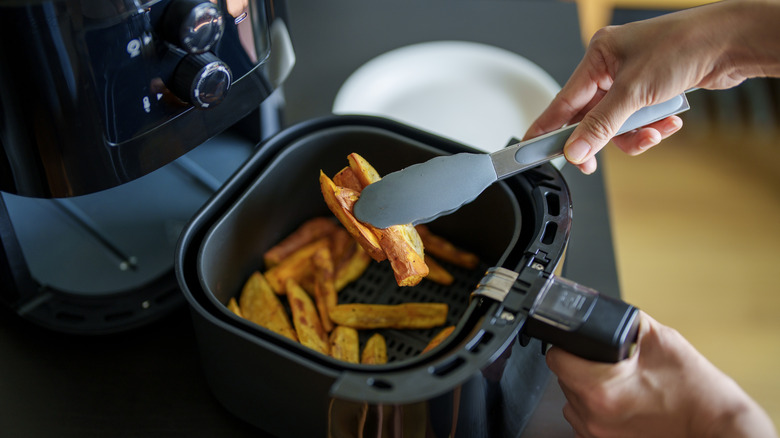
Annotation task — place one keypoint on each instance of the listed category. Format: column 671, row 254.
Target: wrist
column 752, row 48
column 746, row 419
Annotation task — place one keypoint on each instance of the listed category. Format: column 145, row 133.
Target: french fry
column 398, row 316
column 340, row 201
column 344, row 344
column 347, row 178
column 259, row 304
column 437, row 273
column 404, row 250
column 441, row 336
column 401, row 243
column 309, row 231
column 296, row 266
column 351, row 269
column 342, row 246
column 375, row 351
column 446, row 251
column 232, row 305
column 305, row 319
column 364, row 172
column 325, row 291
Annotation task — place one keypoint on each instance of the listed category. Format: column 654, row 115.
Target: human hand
column 666, row 389
column 638, row 64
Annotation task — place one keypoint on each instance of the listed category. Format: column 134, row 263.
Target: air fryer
column 102, row 106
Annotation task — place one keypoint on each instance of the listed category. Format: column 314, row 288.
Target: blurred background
column 696, row 221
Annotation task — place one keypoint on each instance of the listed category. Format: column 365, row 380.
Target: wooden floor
column 696, row 224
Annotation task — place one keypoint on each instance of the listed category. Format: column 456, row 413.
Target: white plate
column 477, row 94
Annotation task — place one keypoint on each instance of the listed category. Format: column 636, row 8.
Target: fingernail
column 576, row 151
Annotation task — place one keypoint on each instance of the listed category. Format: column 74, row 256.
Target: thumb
column 598, row 126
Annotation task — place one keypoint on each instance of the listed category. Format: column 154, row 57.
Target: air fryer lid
column 275, row 192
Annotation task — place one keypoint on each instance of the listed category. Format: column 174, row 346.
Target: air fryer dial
column 193, row 25
column 202, row 80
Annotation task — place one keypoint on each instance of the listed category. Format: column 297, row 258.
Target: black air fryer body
column 101, row 107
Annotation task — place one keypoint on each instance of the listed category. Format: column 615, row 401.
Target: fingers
column 599, row 125
column 578, row 96
column 640, row 140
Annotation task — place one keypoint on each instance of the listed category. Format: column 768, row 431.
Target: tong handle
column 530, row 153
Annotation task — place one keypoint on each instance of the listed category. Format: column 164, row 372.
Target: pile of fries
column 312, row 265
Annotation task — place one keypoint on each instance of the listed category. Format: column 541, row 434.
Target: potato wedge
column 344, row 344
column 259, row 304
column 310, row 231
column 324, row 289
column 437, row 273
column 404, row 250
column 401, row 243
column 441, row 336
column 398, row 316
column 232, row 305
column 305, row 319
column 340, row 201
column 346, row 178
column 352, row 268
column 364, row 172
column 296, row 266
column 375, row 351
column 342, row 246
column 446, row 251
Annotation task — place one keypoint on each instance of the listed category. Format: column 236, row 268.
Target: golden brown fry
column 441, row 336
column 342, row 245
column 401, row 243
column 308, row 232
column 296, row 266
column 344, row 344
column 437, row 273
column 346, row 178
column 232, row 305
column 446, row 251
column 375, row 351
column 352, row 268
column 324, row 289
column 364, row 172
column 307, row 323
column 260, row 305
column 404, row 250
column 340, row 201
column 399, row 316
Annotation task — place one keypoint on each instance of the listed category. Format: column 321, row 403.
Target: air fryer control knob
column 202, row 80
column 193, row 25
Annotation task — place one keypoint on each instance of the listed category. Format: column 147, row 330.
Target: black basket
column 482, row 381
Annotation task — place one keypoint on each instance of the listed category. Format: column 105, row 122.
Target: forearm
column 719, row 407
column 744, row 419
column 749, row 34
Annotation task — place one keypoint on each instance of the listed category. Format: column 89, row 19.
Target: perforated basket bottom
column 378, row 286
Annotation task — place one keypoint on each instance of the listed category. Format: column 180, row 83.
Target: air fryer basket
column 481, row 381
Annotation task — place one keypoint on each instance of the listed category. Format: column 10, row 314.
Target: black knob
column 193, row 25
column 202, row 80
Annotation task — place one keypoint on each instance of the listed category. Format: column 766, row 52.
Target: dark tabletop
column 148, row 382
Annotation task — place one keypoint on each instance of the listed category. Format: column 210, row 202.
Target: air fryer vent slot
column 553, row 204
column 447, row 367
column 550, row 230
column 481, row 339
